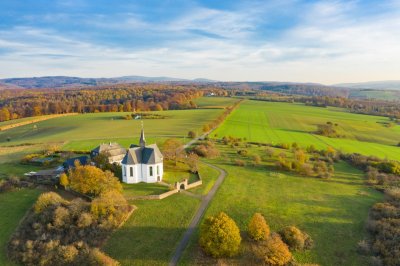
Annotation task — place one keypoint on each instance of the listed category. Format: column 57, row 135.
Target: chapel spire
column 142, row 141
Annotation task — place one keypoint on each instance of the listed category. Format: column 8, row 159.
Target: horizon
column 202, row 78
column 333, row 42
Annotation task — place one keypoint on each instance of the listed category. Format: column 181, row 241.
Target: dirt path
column 198, row 215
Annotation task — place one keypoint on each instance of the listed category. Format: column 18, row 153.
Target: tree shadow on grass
column 137, row 245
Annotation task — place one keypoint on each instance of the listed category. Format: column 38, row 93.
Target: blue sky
column 286, row 40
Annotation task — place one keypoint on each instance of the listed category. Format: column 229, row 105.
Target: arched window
column 151, row 170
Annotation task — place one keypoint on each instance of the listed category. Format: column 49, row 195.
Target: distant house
column 114, row 151
column 70, row 163
column 142, row 163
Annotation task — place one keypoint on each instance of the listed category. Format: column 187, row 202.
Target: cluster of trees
column 301, row 163
column 61, row 232
column 146, row 115
column 220, row 237
column 328, row 130
column 384, row 218
column 308, row 162
column 114, row 98
column 206, row 149
column 174, row 151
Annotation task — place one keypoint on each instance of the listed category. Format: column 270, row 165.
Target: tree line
column 17, row 103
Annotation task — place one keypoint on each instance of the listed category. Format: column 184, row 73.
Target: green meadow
column 13, row 206
column 271, row 122
column 333, row 211
column 85, row 131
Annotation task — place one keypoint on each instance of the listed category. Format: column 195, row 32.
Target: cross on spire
column 142, row 141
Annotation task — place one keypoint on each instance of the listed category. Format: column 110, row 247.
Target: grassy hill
column 270, row 122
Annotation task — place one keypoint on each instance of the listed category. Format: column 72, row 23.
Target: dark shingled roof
column 143, row 155
column 70, row 163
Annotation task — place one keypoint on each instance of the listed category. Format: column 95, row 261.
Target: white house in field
column 142, row 163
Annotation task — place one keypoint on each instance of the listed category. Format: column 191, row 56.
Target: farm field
column 86, row 131
column 150, row 235
column 214, row 102
column 332, row 211
column 271, row 122
column 20, row 201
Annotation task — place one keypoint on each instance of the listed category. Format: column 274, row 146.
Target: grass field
column 332, row 211
column 86, row 131
column 150, row 235
column 271, row 122
column 214, row 102
column 13, row 206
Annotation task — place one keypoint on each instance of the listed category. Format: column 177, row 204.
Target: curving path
column 199, row 213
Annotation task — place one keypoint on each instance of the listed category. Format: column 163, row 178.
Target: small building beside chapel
column 142, row 163
column 114, row 152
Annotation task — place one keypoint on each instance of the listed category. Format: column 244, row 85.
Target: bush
column 239, row 162
column 256, row 159
column 220, row 236
column 296, row 239
column 273, row 251
column 242, row 152
column 191, row 134
column 47, row 199
column 258, row 228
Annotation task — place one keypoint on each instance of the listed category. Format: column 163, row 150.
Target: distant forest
column 19, row 103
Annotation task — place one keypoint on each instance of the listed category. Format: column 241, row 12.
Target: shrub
column 85, row 220
column 239, row 162
column 296, row 239
column 273, row 251
column 242, row 152
column 47, row 199
column 258, row 228
column 61, row 217
column 256, row 159
column 64, row 180
column 220, row 236
column 191, row 134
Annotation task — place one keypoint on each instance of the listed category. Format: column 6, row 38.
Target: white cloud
column 329, row 44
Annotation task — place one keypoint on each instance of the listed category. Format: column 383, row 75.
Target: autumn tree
column 172, row 150
column 191, row 134
column 108, row 205
column 193, row 161
column 4, row 114
column 206, row 128
column 296, row 239
column 47, row 199
column 220, row 236
column 88, row 179
column 258, row 228
column 273, row 251
column 64, row 180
